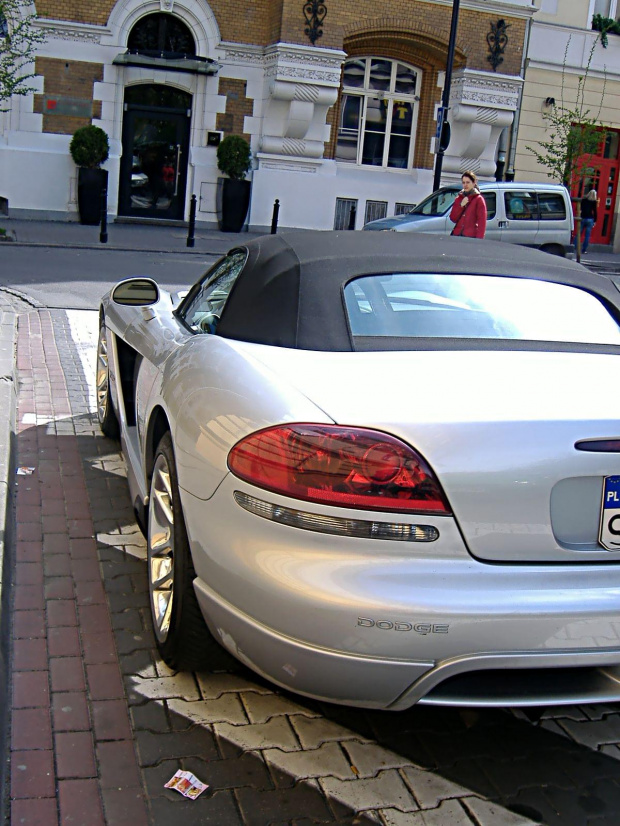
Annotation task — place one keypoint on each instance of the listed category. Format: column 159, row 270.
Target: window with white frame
column 378, row 112
column 606, row 8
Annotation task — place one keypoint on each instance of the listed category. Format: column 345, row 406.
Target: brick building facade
column 347, row 119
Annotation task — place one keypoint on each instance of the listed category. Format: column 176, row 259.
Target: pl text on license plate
column 609, row 534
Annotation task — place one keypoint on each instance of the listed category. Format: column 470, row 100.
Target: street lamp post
column 443, row 131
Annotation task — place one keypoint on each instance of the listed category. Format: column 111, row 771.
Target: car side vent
column 599, row 445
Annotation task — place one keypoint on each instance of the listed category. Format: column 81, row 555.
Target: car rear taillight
column 345, row 466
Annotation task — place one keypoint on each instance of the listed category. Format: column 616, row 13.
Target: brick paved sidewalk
column 72, row 753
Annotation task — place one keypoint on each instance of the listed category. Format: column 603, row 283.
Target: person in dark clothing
column 469, row 211
column 589, row 206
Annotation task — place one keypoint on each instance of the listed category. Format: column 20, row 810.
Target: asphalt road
column 61, row 278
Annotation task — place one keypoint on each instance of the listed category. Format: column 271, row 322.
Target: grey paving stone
column 262, row 707
column 246, row 770
column 490, row 814
column 327, row 760
column 218, row 809
column 369, row 758
column 385, row 791
column 277, row 733
column 225, row 709
column 181, row 685
column 429, row 788
column 449, row 813
column 213, row 685
column 313, row 731
column 261, row 808
column 594, row 733
column 150, row 717
column 154, row 747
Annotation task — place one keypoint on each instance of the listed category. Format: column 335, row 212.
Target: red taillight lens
column 346, row 466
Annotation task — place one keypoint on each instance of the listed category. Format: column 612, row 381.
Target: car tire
column 182, row 636
column 108, row 421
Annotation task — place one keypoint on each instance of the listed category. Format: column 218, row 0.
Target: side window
column 552, row 206
column 202, row 312
column 521, row 206
column 491, row 202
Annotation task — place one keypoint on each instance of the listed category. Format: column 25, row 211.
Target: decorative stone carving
column 301, row 85
column 481, row 106
column 72, row 31
column 166, row 5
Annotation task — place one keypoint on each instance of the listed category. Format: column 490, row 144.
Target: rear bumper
column 386, row 624
column 508, row 679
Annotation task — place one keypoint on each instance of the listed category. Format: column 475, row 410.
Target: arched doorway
column 156, row 125
column 153, row 174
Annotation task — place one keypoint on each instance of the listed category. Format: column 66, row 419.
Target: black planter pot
column 232, row 203
column 90, row 184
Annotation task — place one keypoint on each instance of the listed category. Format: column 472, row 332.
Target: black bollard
column 352, row 215
column 103, row 235
column 192, row 222
column 274, row 217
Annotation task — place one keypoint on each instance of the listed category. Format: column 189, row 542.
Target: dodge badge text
column 388, row 625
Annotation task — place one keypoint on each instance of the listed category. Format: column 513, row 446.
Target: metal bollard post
column 103, row 235
column 274, row 217
column 352, row 216
column 192, row 222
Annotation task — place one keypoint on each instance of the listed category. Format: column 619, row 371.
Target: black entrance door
column 153, row 173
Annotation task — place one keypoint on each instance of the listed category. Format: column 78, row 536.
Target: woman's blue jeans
column 586, row 227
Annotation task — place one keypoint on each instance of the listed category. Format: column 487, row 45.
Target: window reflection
column 377, row 123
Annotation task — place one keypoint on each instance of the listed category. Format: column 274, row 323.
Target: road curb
column 182, row 251
column 8, row 409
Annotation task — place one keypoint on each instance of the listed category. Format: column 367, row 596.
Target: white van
column 532, row 214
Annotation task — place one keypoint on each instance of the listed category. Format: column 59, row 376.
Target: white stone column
column 481, row 105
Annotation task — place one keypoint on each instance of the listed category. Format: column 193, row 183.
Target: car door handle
column 502, row 223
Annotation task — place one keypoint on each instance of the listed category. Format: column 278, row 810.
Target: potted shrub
column 233, row 192
column 90, row 148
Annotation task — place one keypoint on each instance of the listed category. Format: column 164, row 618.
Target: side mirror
column 136, row 292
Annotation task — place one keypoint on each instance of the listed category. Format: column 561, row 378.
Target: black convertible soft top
column 290, row 292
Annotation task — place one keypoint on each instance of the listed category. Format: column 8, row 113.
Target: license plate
column 609, row 534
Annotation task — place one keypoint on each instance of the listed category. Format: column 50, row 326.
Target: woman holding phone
column 469, row 211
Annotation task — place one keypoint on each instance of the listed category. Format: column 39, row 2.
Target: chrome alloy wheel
column 103, row 375
column 161, row 548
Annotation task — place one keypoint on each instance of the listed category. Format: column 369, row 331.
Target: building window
column 606, row 8
column 346, row 211
column 375, row 210
column 403, row 209
column 161, row 35
column 378, row 111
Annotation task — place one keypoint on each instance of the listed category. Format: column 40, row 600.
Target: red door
column 604, row 179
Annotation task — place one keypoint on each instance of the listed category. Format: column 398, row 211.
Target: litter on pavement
column 186, row 783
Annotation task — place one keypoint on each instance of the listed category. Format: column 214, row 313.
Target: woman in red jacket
column 469, row 211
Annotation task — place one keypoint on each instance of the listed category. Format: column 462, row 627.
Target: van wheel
column 554, row 249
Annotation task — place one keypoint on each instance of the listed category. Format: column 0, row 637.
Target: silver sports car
column 378, row 469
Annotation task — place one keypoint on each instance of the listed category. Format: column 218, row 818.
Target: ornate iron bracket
column 315, row 14
column 497, row 40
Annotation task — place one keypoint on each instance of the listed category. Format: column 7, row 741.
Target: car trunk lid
column 499, row 429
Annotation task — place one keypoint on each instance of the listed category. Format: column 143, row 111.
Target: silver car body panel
column 516, row 580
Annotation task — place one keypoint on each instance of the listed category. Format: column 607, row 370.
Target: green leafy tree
column 573, row 136
column 18, row 43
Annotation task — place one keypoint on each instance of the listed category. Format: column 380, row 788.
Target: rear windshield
column 422, row 305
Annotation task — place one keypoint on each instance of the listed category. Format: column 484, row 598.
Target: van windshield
column 436, row 204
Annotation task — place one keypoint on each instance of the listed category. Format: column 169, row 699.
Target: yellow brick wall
column 237, row 107
column 69, row 78
column 266, row 21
